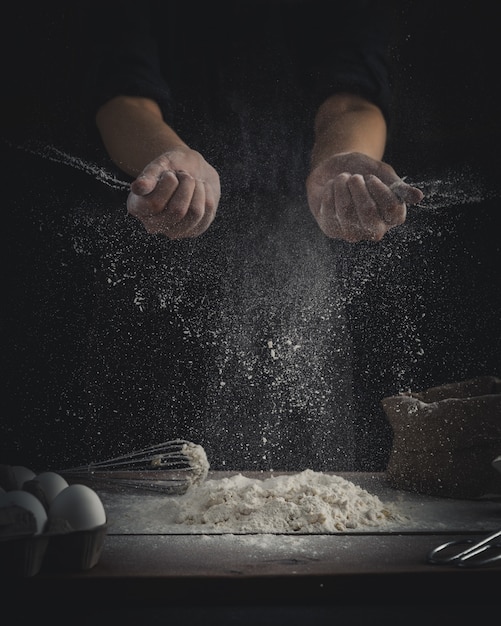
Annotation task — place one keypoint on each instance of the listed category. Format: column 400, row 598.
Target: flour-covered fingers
column 327, row 218
column 195, row 221
column 155, row 201
column 390, row 207
column 349, row 224
column 343, row 203
column 372, row 225
column 406, row 193
column 148, row 179
column 180, row 202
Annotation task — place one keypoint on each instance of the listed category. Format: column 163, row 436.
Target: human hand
column 355, row 197
column 176, row 195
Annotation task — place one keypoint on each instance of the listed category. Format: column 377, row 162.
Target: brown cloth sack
column 446, row 438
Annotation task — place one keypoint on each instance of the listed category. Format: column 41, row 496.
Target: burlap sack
column 446, row 438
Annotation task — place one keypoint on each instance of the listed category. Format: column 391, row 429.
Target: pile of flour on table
column 304, row 502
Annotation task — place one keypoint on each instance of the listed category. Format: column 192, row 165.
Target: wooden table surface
column 143, row 566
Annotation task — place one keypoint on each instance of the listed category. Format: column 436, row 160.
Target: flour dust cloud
column 240, row 340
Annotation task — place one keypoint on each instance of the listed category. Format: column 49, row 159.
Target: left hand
column 176, row 195
column 355, row 197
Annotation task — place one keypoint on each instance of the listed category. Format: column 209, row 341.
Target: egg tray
column 64, row 551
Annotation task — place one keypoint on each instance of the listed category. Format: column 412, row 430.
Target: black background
column 86, row 376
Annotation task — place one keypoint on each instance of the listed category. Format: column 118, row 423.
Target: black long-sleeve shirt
column 252, row 71
column 165, row 50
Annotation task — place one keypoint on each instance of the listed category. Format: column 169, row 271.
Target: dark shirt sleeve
column 344, row 46
column 122, row 54
column 337, row 46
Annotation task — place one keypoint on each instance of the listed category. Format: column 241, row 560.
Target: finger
column 148, row 179
column 209, row 200
column 193, row 223
column 154, row 202
column 406, row 193
column 143, row 185
column 212, row 195
column 371, row 222
column 327, row 218
column 209, row 212
column 392, row 210
column 345, row 209
column 180, row 201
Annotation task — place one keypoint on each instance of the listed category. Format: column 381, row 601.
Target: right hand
column 355, row 197
column 176, row 195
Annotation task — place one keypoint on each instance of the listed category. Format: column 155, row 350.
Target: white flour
column 198, row 462
column 304, row 502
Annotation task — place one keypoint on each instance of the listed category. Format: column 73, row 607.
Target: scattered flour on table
column 305, row 502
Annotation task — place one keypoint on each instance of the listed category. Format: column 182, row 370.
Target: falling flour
column 306, row 502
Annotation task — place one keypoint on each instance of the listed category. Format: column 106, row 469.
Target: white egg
column 52, row 484
column 27, row 501
column 22, row 474
column 80, row 506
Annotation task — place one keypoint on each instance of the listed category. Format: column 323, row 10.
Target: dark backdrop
column 112, row 339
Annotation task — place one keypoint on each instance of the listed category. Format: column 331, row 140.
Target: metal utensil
column 169, row 467
column 468, row 552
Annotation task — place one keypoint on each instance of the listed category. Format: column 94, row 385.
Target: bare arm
column 134, row 132
column 176, row 192
column 348, row 123
column 352, row 193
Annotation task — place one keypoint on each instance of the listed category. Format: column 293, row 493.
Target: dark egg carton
column 24, row 553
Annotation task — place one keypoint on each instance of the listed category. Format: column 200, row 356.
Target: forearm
column 348, row 123
column 353, row 194
column 134, row 132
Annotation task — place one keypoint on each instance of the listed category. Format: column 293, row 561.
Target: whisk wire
column 169, row 467
column 160, row 455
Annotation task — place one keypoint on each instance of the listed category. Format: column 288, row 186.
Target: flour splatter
column 242, row 338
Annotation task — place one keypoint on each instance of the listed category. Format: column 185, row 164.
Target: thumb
column 144, row 184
